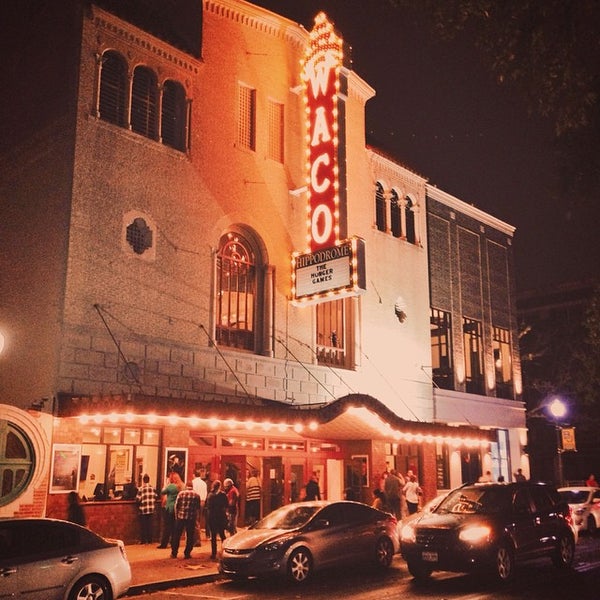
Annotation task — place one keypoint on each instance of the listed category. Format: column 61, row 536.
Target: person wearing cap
column 233, row 502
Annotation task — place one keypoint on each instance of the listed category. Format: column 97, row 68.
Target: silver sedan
column 50, row 559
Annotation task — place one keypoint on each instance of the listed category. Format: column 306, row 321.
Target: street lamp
column 558, row 409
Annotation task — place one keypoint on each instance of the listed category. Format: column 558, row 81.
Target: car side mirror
column 321, row 524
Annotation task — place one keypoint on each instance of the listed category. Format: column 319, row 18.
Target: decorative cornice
column 469, row 210
column 258, row 18
column 145, row 41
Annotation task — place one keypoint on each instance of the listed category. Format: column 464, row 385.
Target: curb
column 156, row 586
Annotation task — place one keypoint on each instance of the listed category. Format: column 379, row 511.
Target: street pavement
column 153, row 569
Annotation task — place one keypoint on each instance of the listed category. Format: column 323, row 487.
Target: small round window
column 16, row 462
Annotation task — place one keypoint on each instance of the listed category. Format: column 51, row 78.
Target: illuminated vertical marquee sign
column 321, row 74
column 331, row 267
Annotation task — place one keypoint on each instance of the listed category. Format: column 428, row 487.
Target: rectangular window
column 275, row 146
column 107, row 468
column 500, row 456
column 333, row 325
column 247, row 117
column 473, row 340
column 502, row 363
column 441, row 358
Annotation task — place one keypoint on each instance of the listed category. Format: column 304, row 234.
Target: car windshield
column 574, row 496
column 287, row 517
column 475, row 500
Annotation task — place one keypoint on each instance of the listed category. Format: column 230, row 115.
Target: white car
column 50, row 559
column 585, row 507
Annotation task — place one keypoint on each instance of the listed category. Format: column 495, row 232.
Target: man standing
column 233, row 501
column 200, row 487
column 519, row 475
column 253, row 493
column 393, row 492
column 313, row 492
column 146, row 502
column 187, row 508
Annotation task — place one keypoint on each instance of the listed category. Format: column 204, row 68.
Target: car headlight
column 408, row 533
column 475, row 534
column 274, row 546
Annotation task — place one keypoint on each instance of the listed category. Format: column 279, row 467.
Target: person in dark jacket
column 312, row 488
column 75, row 512
column 216, row 515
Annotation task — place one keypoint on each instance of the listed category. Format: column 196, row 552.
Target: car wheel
column 91, row 586
column 565, row 552
column 504, row 567
column 384, row 552
column 591, row 525
column 299, row 566
column 418, row 570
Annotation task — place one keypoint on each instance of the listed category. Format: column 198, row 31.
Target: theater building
column 205, row 263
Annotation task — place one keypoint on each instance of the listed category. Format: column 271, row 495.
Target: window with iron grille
column 247, row 117
column 144, row 93
column 395, row 215
column 16, row 462
column 473, row 340
column 236, row 292
column 174, row 116
column 410, row 221
column 502, row 362
column 275, row 142
column 113, row 89
column 333, row 322
column 441, row 357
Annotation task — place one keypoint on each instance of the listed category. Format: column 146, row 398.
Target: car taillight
column 569, row 516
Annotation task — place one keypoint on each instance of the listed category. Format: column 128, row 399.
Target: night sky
column 439, row 112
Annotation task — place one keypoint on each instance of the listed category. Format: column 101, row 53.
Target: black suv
column 490, row 526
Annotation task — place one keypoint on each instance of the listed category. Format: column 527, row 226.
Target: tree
column 550, row 51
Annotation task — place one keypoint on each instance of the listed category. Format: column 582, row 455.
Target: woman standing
column 168, row 496
column 216, row 515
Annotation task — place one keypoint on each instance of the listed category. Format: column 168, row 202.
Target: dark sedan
column 297, row 539
column 488, row 527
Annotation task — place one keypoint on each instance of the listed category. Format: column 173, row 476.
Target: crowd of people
column 184, row 506
column 397, row 491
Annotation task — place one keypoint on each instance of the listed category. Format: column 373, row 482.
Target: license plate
column 429, row 556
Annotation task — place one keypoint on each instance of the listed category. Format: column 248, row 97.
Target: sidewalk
column 153, row 568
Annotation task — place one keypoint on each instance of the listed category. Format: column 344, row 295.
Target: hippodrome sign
column 333, row 272
column 321, row 76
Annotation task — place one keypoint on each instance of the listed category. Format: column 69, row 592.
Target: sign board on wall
column 331, row 272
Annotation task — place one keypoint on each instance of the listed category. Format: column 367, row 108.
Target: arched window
column 113, row 88
column 380, row 208
column 410, row 221
column 395, row 216
column 143, row 103
column 236, row 292
column 174, row 115
column 16, row 462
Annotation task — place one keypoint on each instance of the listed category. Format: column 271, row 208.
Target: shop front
column 102, row 448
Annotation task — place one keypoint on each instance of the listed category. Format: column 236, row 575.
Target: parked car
column 50, row 559
column 585, row 507
column 297, row 539
column 489, row 527
column 427, row 508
